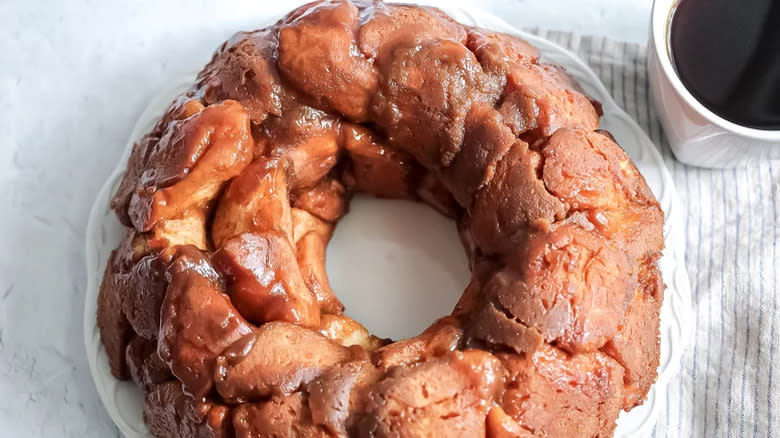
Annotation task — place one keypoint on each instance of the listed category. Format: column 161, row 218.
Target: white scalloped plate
column 123, row 400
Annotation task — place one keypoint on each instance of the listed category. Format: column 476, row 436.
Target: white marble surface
column 73, row 77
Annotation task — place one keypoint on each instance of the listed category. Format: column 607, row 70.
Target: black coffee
column 727, row 53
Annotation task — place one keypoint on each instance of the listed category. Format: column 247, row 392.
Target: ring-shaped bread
column 217, row 302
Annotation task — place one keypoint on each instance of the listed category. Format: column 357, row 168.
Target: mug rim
column 660, row 18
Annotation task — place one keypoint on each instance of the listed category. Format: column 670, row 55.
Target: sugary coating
column 448, row 396
column 386, row 27
column 265, row 280
column 198, row 322
column 497, row 52
column 550, row 393
column 340, row 391
column 501, row 425
column 190, row 164
column 277, row 359
column 115, row 330
column 432, row 191
column 636, row 345
column 170, row 412
column 217, row 301
column 146, row 367
column 143, row 296
column 308, row 138
column 541, row 98
column 318, row 55
column 568, row 289
column 328, row 200
column 257, row 200
column 130, row 297
column 375, row 168
column 485, row 143
column 425, row 93
column 310, row 237
column 181, row 108
column 244, row 69
column 514, row 200
column 442, row 337
column 280, row 417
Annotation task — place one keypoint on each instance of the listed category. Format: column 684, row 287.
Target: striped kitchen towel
column 727, row 385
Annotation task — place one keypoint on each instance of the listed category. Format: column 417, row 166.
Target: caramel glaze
column 217, row 302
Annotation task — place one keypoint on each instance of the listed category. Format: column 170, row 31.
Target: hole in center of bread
column 396, row 265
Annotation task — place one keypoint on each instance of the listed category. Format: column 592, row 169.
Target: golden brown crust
column 447, row 396
column 256, row 200
column 280, row 417
column 242, row 69
column 115, row 330
column 497, row 52
column 339, row 392
column 146, row 367
column 308, row 138
column 265, row 280
column 310, row 237
column 442, row 337
column 144, row 292
column 170, row 412
column 198, row 322
column 318, row 55
column 551, row 393
column 501, row 425
column 328, row 200
column 279, row 358
column 376, row 168
column 485, row 143
column 190, row 163
column 217, row 302
column 431, row 86
column 636, row 345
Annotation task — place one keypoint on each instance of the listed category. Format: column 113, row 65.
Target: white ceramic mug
column 697, row 135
